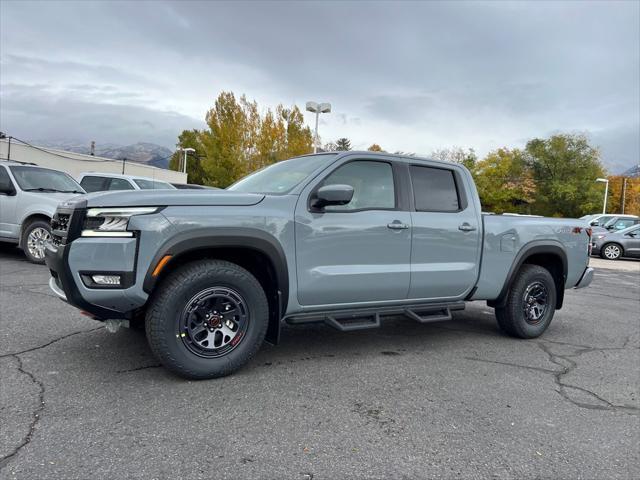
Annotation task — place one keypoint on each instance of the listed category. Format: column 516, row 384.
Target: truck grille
column 64, row 226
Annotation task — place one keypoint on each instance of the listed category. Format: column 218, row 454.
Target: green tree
column 195, row 172
column 504, row 182
column 564, row 169
column 343, row 144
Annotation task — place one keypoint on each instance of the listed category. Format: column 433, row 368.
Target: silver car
column 613, row 245
column 29, row 196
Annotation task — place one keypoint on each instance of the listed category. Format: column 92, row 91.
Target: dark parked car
column 613, row 245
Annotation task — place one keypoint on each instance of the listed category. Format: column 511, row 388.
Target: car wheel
column 530, row 303
column 34, row 238
column 611, row 251
column 207, row 319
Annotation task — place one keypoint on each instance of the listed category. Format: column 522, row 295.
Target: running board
column 360, row 319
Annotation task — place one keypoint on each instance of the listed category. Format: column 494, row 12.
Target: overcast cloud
column 410, row 76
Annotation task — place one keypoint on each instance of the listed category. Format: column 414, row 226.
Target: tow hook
column 113, row 326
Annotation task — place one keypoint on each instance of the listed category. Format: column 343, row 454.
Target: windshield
column 153, row 184
column 34, row 179
column 281, row 177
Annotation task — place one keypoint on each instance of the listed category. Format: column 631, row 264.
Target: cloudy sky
column 414, row 76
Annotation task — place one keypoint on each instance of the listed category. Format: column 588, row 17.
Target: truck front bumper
column 68, row 284
column 587, row 277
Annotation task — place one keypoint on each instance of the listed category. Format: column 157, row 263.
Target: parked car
column 193, row 186
column 600, row 219
column 29, row 196
column 613, row 245
column 101, row 182
column 347, row 238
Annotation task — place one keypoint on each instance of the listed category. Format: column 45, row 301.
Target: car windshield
column 281, row 177
column 153, row 184
column 34, row 179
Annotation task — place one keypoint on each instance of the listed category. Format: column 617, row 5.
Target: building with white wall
column 76, row 163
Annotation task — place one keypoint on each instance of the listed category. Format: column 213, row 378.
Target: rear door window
column 120, row 184
column 434, row 189
column 92, row 183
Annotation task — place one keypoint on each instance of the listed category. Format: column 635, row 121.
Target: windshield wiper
column 42, row 189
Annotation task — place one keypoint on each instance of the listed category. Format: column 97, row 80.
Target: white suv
column 100, row 182
column 29, row 196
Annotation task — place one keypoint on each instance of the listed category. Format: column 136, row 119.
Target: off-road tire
column 611, row 251
column 173, row 294
column 26, row 231
column 512, row 318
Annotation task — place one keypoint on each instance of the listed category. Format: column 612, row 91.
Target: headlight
column 111, row 222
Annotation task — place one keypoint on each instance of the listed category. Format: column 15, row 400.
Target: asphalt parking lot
column 447, row 400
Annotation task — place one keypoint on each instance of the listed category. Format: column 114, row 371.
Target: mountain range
column 141, row 152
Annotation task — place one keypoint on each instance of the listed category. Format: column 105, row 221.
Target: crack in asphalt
column 563, row 387
column 55, row 340
column 35, row 415
column 144, row 367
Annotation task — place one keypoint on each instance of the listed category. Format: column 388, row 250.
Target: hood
column 52, row 197
column 159, row 198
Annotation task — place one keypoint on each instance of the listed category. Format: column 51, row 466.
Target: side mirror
column 7, row 189
column 595, row 223
column 332, row 195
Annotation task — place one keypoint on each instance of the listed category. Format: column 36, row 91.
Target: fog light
column 106, row 279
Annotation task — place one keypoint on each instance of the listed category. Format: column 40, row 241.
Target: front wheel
column 611, row 251
column 530, row 303
column 207, row 319
column 34, row 238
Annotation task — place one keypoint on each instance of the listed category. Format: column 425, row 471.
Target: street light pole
column 184, row 163
column 606, row 191
column 317, row 108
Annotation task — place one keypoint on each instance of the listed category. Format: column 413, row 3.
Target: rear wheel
column 34, row 238
column 530, row 303
column 207, row 319
column 611, row 251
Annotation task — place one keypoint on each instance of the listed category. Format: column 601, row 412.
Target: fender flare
column 220, row 237
column 534, row 247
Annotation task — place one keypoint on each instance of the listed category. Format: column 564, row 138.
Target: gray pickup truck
column 344, row 238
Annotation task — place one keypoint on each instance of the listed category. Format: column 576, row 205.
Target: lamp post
column 317, row 108
column 186, row 151
column 606, row 191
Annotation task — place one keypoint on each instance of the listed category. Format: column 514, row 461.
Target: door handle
column 465, row 227
column 397, row 225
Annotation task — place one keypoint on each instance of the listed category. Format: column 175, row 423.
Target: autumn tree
column 239, row 140
column 343, row 144
column 375, row 148
column 619, row 192
column 564, row 168
column 504, row 182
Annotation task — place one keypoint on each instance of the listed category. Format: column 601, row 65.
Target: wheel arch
column 255, row 250
column 29, row 219
column 550, row 256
